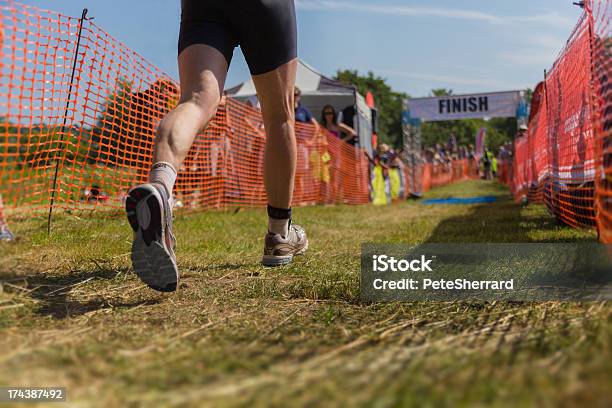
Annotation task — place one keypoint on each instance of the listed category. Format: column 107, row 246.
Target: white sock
column 164, row 174
column 280, row 227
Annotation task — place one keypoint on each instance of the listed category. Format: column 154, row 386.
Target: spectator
column 319, row 159
column 429, row 155
column 486, row 164
column 329, row 119
column 494, row 165
column 510, row 149
column 383, row 159
column 302, row 113
column 398, row 183
column 347, row 116
column 503, row 153
column 471, row 152
column 386, row 155
column 451, row 144
column 440, row 154
column 303, row 138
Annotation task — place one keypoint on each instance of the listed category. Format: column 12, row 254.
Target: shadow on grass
column 194, row 268
column 51, row 292
column 499, row 222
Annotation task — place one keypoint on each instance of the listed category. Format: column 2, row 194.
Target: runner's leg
column 149, row 206
column 202, row 71
column 275, row 91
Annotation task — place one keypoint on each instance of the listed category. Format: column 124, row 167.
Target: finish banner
column 473, row 106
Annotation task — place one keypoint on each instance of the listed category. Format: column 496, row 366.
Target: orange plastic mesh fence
column 503, row 171
column 225, row 166
column 436, row 175
column 600, row 15
column 564, row 160
column 115, row 101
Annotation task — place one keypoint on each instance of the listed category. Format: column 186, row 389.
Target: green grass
column 237, row 334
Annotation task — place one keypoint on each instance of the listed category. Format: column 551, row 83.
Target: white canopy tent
column 318, row 91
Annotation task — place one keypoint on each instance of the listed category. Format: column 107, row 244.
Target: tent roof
column 310, row 82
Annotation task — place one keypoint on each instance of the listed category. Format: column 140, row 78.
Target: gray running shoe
column 6, row 234
column 149, row 213
column 279, row 250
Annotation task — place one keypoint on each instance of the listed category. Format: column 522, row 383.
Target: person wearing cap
column 302, row 113
column 522, row 130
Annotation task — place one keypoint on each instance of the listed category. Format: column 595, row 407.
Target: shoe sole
column 152, row 262
column 276, row 260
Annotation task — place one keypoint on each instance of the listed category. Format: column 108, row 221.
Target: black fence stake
column 57, row 162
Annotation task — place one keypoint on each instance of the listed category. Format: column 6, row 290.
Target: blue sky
column 466, row 45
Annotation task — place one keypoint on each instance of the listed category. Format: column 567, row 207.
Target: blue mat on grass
column 463, row 201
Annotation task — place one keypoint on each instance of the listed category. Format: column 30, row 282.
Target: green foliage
column 499, row 131
column 441, row 92
column 388, row 103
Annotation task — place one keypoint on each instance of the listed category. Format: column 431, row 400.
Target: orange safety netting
column 600, row 14
column 504, row 168
column 96, row 128
column 436, row 175
column 563, row 161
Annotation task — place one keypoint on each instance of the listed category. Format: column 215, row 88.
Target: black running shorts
column 265, row 30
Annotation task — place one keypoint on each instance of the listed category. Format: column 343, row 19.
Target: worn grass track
column 236, row 334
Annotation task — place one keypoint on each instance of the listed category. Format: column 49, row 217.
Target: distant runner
column 210, row 30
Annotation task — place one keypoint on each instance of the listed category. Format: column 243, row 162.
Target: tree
column 388, row 103
column 441, row 92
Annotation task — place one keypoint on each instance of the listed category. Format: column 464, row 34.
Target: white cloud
column 551, row 18
column 394, row 10
column 440, row 80
column 547, row 42
column 537, row 59
column 539, row 53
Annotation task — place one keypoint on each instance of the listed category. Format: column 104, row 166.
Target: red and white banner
column 480, row 142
